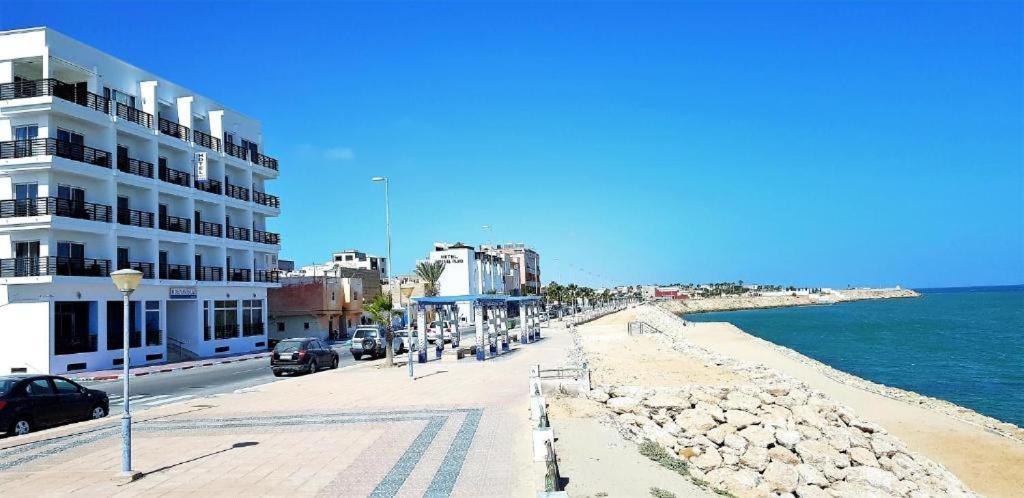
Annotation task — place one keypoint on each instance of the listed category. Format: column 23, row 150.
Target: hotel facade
column 105, row 166
column 472, row 271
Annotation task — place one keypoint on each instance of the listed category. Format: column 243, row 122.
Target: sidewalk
column 460, row 429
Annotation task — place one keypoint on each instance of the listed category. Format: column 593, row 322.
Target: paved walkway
column 460, row 429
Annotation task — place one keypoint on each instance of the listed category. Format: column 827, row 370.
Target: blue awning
column 486, row 299
column 522, row 299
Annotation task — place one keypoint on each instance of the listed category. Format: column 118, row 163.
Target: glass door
column 25, row 199
column 70, row 258
column 26, row 258
column 71, row 201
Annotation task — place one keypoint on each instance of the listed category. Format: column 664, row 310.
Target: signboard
column 182, row 292
column 201, row 166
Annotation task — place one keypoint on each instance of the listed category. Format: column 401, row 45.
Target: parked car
column 402, row 340
column 304, row 354
column 439, row 329
column 31, row 402
column 369, row 341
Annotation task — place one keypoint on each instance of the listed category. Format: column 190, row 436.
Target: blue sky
column 813, row 144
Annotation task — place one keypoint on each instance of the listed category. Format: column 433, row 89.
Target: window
column 229, row 138
column 154, row 337
column 26, row 132
column 280, row 326
column 119, row 96
column 252, row 317
column 225, row 319
column 65, row 387
column 73, row 328
column 70, row 136
column 38, row 387
column 115, row 325
column 305, row 325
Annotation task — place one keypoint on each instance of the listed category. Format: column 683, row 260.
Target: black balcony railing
column 236, row 150
column 134, row 166
column 134, row 218
column 238, row 233
column 239, row 275
column 54, row 266
column 266, row 276
column 211, row 186
column 134, row 115
column 266, row 237
column 225, row 331
column 265, row 199
column 56, row 88
column 53, row 206
column 210, row 273
column 237, row 192
column 251, row 329
column 175, row 272
column 141, row 266
column 176, row 224
column 168, row 127
column 209, row 229
column 265, row 161
column 208, row 141
column 54, row 147
column 176, row 177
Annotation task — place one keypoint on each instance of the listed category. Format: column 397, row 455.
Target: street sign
column 201, row 166
column 182, row 292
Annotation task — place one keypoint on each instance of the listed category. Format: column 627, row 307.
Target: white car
column 432, row 332
column 402, row 340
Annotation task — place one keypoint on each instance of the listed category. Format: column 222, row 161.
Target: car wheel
column 278, row 374
column 97, row 412
column 335, row 363
column 312, row 366
column 20, row 427
column 357, row 357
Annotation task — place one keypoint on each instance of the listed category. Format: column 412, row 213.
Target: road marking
column 167, row 400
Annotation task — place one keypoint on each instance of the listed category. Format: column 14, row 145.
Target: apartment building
column 528, row 262
column 352, row 258
column 468, row 270
column 104, row 166
column 324, row 307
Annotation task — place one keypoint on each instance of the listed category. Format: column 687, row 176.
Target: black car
column 30, row 402
column 302, row 355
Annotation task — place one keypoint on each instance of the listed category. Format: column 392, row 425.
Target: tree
column 430, row 273
column 382, row 312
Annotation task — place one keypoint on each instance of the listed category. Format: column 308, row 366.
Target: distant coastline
column 752, row 302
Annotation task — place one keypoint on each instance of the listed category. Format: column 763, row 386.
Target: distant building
column 469, row 270
column 352, row 258
column 528, row 261
column 285, row 265
column 323, row 307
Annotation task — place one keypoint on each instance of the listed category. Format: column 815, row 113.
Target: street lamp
column 387, row 218
column 126, row 282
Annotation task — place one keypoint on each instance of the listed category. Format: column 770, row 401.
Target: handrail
column 211, row 186
column 176, row 224
column 135, row 166
column 168, row 127
column 134, row 115
column 175, row 272
column 238, row 233
column 236, row 192
column 54, row 206
column 177, row 177
column 265, row 199
column 54, row 147
column 208, row 141
column 208, row 228
column 132, row 217
column 54, row 266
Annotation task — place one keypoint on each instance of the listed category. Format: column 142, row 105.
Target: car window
column 288, row 346
column 38, row 387
column 65, row 386
column 7, row 384
column 318, row 345
column 358, row 334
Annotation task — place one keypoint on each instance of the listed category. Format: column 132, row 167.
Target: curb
column 167, row 369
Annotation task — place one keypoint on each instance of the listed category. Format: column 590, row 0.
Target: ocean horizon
column 961, row 344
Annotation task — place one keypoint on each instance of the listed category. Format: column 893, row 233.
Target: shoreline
column 743, row 303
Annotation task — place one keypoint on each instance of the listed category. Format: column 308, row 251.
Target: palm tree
column 430, row 273
column 382, row 312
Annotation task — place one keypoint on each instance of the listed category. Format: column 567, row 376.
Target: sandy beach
column 734, row 303
column 693, row 360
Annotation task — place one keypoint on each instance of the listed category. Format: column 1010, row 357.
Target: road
column 185, row 385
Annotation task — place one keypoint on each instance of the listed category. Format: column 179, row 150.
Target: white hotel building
column 98, row 172
column 469, row 271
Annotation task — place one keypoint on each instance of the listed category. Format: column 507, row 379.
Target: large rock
column 758, row 436
column 718, row 433
column 667, row 401
column 884, row 445
column 599, row 395
column 810, row 475
column 740, row 418
column 787, row 438
column 819, row 454
column 735, row 442
column 781, row 477
column 672, row 428
column 711, row 409
column 843, row 489
column 742, row 482
column 693, row 421
column 756, row 458
column 862, row 456
column 623, row 404
column 808, row 415
column 740, row 401
column 708, row 460
column 872, row 476
column 812, row 492
column 782, row 455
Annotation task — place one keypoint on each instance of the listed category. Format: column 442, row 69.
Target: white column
column 503, row 330
column 494, row 330
column 480, row 344
column 421, row 333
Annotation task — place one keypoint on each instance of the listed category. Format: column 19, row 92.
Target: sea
column 964, row 345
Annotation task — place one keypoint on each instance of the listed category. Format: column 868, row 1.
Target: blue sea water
column 964, row 345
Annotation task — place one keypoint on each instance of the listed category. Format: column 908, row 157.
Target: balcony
column 54, row 147
column 266, row 276
column 54, row 266
column 134, row 115
column 266, row 237
column 176, row 224
column 237, row 192
column 208, row 229
column 265, row 199
column 140, row 266
column 236, row 150
column 56, row 88
column 265, row 161
column 210, row 273
column 176, row 177
column 134, row 166
column 175, row 272
column 208, row 141
column 238, row 233
column 239, row 275
column 53, row 206
column 211, row 186
column 173, row 129
column 134, row 218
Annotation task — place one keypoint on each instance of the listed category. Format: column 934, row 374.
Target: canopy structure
column 490, row 312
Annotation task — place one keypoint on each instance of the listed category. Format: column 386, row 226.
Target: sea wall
column 758, row 302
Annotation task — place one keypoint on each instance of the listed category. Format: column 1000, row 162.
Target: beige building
column 326, row 307
column 528, row 262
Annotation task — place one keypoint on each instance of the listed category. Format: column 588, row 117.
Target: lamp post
column 126, row 282
column 387, row 219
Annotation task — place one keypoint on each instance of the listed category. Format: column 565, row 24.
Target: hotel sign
column 182, row 292
column 201, row 173
column 451, row 259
